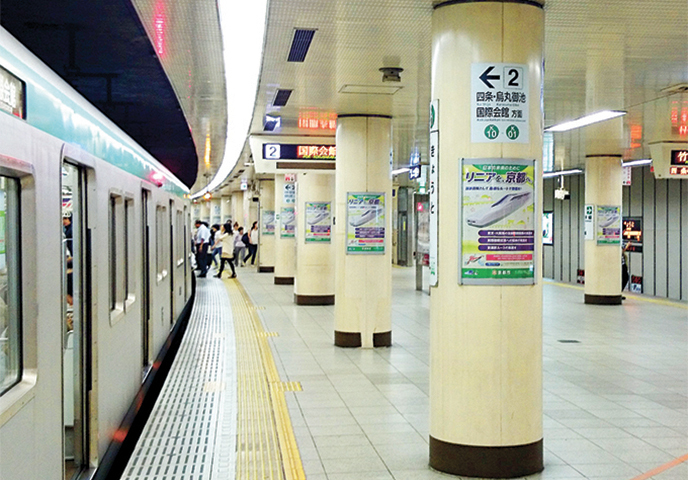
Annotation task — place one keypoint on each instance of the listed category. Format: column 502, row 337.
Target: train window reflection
column 10, row 320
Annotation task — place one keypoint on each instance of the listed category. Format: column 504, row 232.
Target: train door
column 185, row 253
column 145, row 284
column 76, row 314
column 172, row 260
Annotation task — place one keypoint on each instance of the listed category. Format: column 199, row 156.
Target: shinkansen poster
column 365, row 223
column 498, row 224
column 318, row 222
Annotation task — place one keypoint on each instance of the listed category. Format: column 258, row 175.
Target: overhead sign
column 12, row 94
column 414, row 172
column 497, row 218
column 281, row 151
column 626, row 176
column 499, row 103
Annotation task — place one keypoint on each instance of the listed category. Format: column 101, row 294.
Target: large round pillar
column 226, row 209
column 285, row 229
column 363, row 264
column 604, row 143
column 314, row 280
column 486, row 339
column 266, row 222
column 238, row 208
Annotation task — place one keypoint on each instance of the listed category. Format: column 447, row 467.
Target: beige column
column 238, row 208
column 314, row 280
column 363, row 281
column 205, row 211
column 226, row 208
column 285, row 229
column 215, row 210
column 604, row 143
column 266, row 222
column 485, row 340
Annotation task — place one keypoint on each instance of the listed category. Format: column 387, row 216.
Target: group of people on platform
column 224, row 244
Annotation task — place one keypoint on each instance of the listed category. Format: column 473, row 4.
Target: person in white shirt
column 253, row 244
column 226, row 241
column 202, row 240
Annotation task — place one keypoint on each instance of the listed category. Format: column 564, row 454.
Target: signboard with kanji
column 499, row 103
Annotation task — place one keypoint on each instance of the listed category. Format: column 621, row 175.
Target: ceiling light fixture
column 399, row 171
column 243, row 37
column 391, row 74
column 573, row 171
column 586, row 120
column 637, row 163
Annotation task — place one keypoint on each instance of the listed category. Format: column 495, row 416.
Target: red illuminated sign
column 679, row 118
column 314, row 120
column 683, row 171
column 322, row 152
column 159, row 29
column 679, row 157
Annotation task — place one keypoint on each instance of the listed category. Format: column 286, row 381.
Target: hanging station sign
column 499, row 103
column 608, row 230
column 318, row 222
column 365, row 223
column 281, row 151
column 679, row 163
column 12, row 94
column 498, row 223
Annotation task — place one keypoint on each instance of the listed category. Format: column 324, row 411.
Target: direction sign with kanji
column 499, row 103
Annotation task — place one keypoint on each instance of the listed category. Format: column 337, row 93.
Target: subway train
column 95, row 275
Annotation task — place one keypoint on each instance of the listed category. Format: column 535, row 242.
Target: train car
column 94, row 272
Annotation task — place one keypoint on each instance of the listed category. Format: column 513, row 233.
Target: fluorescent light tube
column 573, row 171
column 637, row 163
column 586, row 120
column 400, row 170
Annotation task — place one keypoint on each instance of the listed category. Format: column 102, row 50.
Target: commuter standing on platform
column 215, row 246
column 252, row 244
column 202, row 240
column 239, row 246
column 624, row 268
column 226, row 239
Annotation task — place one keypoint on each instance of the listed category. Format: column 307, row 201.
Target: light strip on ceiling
column 242, row 25
column 399, row 171
column 573, row 171
column 637, row 163
column 586, row 120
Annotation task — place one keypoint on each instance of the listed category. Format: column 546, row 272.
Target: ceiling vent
column 300, row 45
column 281, row 98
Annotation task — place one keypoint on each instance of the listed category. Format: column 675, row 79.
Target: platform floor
column 615, row 404
column 615, row 399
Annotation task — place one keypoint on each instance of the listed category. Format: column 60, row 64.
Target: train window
column 10, row 311
column 180, row 242
column 129, row 273
column 160, row 243
column 117, row 256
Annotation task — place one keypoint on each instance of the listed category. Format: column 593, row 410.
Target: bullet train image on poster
column 499, row 210
column 319, row 217
column 370, row 213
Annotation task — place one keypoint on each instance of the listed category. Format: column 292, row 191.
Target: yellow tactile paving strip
column 266, row 446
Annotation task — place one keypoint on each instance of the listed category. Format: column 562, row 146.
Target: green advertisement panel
column 267, row 223
column 608, row 225
column 498, row 222
column 318, row 222
column 287, row 222
column 365, row 223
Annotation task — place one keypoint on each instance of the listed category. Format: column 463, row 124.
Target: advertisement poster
column 287, row 222
column 499, row 223
column 434, row 187
column 365, row 223
column 548, row 228
column 267, row 224
column 608, row 225
column 423, row 234
column 318, row 222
